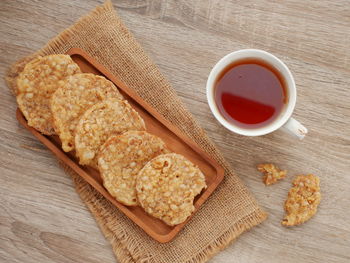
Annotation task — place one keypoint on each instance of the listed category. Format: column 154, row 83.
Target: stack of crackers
column 92, row 118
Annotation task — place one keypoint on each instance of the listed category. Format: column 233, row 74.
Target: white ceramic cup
column 283, row 121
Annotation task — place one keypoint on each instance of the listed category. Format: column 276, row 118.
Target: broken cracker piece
column 303, row 199
column 271, row 173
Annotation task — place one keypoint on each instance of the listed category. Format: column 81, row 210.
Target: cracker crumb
column 272, row 173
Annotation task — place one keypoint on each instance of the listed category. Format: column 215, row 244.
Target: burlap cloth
column 230, row 210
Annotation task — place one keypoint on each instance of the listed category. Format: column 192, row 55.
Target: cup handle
column 292, row 126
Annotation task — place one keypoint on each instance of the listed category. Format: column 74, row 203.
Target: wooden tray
column 156, row 124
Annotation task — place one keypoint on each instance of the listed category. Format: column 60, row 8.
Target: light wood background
column 42, row 218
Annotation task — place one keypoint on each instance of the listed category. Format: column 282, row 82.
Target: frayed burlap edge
column 124, row 247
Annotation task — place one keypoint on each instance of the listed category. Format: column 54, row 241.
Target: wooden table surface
column 42, row 218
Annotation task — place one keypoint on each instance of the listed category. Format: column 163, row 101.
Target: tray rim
column 58, row 152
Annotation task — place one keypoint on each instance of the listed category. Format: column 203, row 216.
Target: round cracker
column 122, row 157
column 97, row 124
column 35, row 85
column 166, row 187
column 69, row 102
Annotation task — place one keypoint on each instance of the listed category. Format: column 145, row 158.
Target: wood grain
column 42, row 218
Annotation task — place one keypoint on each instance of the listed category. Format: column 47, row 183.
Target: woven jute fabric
column 228, row 212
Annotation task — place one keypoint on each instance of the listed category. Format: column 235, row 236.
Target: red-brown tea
column 250, row 93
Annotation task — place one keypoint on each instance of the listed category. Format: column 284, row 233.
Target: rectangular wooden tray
column 156, row 124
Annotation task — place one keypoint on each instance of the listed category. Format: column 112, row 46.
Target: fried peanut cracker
column 35, row 85
column 69, row 102
column 272, row 173
column 303, row 199
column 166, row 187
column 122, row 157
column 109, row 117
